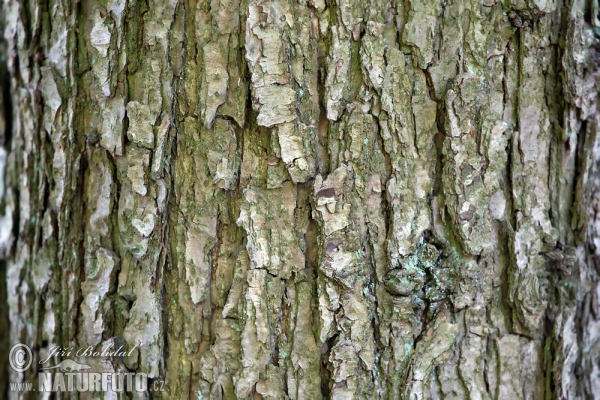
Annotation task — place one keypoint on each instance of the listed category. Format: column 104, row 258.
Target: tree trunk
column 305, row 200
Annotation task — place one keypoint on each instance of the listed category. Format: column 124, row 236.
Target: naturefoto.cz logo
column 71, row 376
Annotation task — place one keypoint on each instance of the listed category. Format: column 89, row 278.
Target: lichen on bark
column 321, row 199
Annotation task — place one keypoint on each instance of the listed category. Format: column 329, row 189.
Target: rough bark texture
column 307, row 199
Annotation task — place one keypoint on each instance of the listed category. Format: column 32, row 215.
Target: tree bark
column 315, row 199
